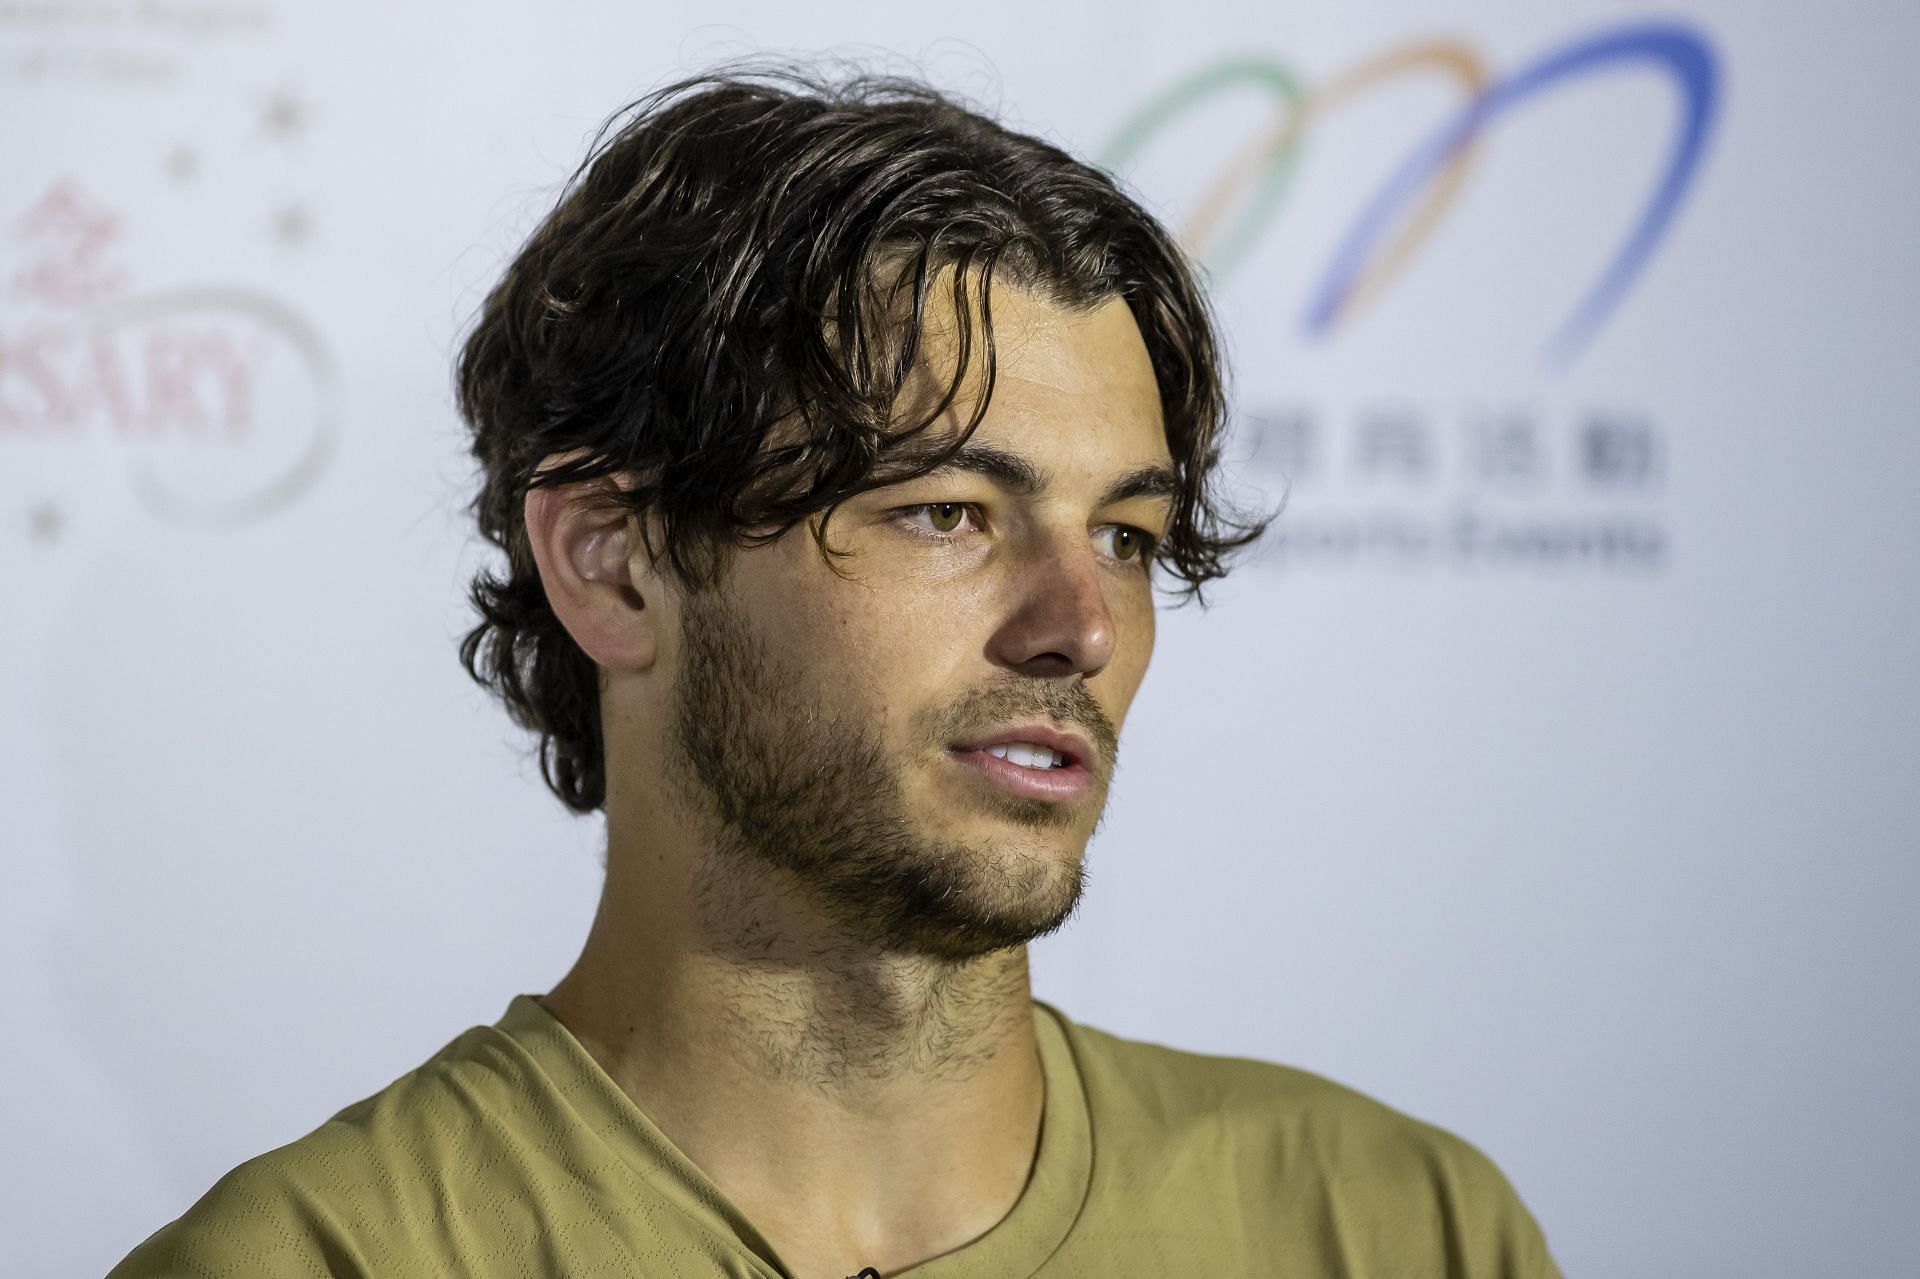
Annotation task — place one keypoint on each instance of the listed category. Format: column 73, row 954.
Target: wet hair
column 723, row 310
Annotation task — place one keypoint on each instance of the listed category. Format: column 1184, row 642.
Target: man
column 837, row 439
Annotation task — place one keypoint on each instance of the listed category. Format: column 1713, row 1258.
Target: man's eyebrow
column 1011, row 471
column 1148, row 481
column 1023, row 479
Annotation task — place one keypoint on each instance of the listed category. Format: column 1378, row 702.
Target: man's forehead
column 1033, row 334
column 1064, row 379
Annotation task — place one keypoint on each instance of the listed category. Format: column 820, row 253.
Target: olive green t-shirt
column 511, row 1153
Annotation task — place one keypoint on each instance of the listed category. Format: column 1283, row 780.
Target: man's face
column 882, row 735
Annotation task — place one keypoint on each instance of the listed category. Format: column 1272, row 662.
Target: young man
column 837, row 439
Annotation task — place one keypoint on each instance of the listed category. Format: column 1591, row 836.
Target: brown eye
column 946, row 515
column 1130, row 545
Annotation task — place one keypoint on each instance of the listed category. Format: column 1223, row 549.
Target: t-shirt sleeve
column 254, row 1222
column 1497, row 1232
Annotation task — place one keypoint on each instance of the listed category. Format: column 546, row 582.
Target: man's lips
column 1078, row 751
column 1070, row 780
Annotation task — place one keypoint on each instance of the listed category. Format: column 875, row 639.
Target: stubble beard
column 794, row 788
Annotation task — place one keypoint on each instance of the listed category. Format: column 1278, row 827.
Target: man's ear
column 598, row 577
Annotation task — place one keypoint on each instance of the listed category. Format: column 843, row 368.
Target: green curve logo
column 1403, row 214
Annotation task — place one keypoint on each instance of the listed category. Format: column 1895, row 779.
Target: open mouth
column 1027, row 755
column 1012, row 765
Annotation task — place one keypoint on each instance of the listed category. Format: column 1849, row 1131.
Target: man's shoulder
column 1277, row 1169
column 358, row 1183
column 431, row 1121
column 1176, row 1088
column 1282, row 1133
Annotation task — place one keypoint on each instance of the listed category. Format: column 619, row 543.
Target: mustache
column 1030, row 699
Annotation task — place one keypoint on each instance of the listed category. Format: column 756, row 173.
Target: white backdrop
column 1549, row 774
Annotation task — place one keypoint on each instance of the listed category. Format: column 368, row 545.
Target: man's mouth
column 1036, row 745
column 1027, row 755
column 1037, row 770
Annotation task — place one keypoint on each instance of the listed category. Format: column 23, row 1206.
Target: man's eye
column 942, row 517
column 946, row 516
column 1130, row 545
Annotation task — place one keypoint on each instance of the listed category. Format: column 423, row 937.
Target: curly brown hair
column 723, row 309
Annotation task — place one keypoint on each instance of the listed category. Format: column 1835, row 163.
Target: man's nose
column 1060, row 624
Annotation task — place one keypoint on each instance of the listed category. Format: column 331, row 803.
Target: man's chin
column 933, row 912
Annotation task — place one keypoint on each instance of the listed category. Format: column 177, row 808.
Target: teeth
column 1028, row 755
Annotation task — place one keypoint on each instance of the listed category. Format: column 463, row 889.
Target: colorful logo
column 1409, row 205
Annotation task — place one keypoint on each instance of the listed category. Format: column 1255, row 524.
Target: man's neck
column 857, row 1107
